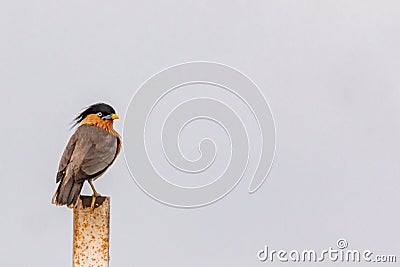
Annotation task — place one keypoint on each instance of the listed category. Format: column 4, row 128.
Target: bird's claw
column 94, row 196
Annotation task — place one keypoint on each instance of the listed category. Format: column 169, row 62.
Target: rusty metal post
column 91, row 232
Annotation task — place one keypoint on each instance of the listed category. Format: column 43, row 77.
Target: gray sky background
column 329, row 70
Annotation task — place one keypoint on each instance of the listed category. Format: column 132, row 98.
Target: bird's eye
column 100, row 114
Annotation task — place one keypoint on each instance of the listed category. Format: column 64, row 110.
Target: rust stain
column 91, row 234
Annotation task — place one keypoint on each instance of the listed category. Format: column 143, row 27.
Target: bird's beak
column 110, row 117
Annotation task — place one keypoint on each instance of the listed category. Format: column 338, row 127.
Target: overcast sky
column 329, row 70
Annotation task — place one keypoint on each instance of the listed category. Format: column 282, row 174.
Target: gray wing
column 101, row 154
column 88, row 154
column 66, row 157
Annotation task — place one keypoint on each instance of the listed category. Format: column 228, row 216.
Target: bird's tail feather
column 67, row 192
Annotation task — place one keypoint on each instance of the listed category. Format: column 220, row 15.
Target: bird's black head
column 102, row 110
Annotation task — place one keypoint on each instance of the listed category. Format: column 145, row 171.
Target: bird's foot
column 95, row 194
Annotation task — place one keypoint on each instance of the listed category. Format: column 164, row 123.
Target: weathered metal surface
column 91, row 233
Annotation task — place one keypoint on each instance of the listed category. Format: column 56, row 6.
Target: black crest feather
column 94, row 109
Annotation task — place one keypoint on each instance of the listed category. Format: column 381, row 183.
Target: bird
column 90, row 151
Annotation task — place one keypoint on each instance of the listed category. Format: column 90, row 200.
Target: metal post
column 91, row 232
